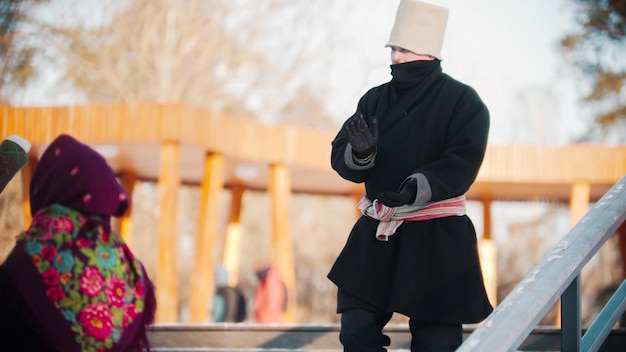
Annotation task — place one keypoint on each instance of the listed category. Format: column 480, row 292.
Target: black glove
column 362, row 138
column 406, row 195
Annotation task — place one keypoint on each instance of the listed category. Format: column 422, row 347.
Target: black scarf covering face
column 406, row 90
column 408, row 75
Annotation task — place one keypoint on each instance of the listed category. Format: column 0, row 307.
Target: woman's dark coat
column 434, row 128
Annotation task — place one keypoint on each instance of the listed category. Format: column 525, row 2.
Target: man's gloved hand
column 362, row 138
column 405, row 196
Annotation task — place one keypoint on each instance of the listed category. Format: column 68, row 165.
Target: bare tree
column 238, row 56
column 16, row 67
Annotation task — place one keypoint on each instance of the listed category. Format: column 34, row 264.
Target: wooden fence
column 175, row 144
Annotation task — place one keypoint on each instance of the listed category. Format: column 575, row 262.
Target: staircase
column 313, row 338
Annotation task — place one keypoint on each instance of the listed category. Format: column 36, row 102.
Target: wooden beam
column 356, row 196
column 579, row 200
column 488, row 257
column 230, row 260
column 282, row 248
column 166, row 273
column 509, row 172
column 27, row 175
column 202, row 284
column 128, row 180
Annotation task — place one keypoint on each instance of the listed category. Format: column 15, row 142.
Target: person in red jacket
column 270, row 297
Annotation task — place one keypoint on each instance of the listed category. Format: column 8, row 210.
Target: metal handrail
column 556, row 275
column 605, row 321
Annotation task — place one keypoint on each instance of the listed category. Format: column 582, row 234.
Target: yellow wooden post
column 357, row 193
column 282, row 248
column 26, row 175
column 230, row 261
column 578, row 205
column 128, row 180
column 488, row 258
column 203, row 272
column 579, row 201
column 166, row 274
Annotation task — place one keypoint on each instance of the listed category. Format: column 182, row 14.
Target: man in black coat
column 417, row 142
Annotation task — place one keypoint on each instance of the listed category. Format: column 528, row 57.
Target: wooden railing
column 173, row 144
column 245, row 139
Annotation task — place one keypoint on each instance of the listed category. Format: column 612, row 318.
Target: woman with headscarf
column 70, row 283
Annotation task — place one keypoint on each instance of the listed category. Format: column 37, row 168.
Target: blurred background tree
column 598, row 48
column 224, row 56
column 17, row 58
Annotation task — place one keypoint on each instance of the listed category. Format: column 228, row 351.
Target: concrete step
column 244, row 337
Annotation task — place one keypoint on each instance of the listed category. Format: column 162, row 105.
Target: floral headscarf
column 74, row 175
column 80, row 280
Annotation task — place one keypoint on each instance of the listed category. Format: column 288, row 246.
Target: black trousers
column 361, row 331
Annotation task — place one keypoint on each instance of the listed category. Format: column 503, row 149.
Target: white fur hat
column 420, row 27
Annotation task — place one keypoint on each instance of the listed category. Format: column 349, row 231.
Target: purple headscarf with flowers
column 84, row 288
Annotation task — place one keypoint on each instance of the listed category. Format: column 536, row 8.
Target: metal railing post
column 571, row 331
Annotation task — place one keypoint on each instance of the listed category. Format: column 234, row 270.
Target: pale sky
column 506, row 49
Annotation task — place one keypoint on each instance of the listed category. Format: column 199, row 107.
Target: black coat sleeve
column 456, row 168
column 16, row 326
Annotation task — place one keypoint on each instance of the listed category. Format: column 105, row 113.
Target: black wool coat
column 434, row 128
